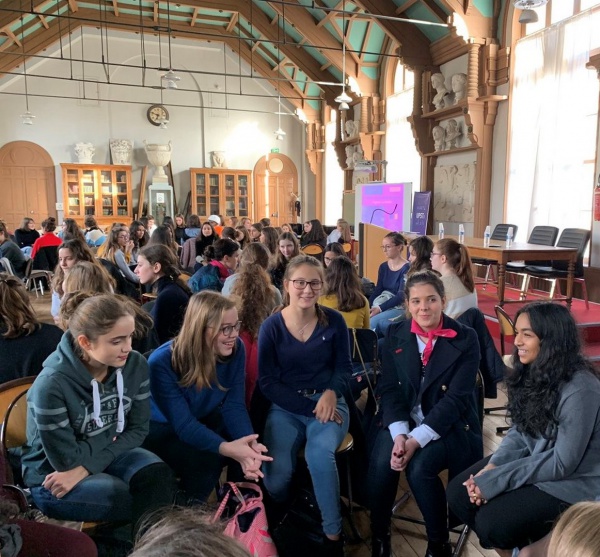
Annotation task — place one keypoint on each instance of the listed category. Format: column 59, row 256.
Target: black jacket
column 448, row 390
column 491, row 365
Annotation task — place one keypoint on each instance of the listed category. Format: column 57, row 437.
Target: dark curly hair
column 534, row 388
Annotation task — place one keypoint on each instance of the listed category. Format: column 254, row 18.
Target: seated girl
column 88, row 413
column 550, row 457
column 222, row 260
column 199, row 419
column 419, row 254
column 387, row 298
column 287, row 248
column 343, row 291
column 24, row 342
column 304, row 367
column 69, row 253
column 452, row 261
column 256, row 298
column 158, row 267
column 430, row 417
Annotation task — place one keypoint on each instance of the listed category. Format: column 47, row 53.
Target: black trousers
column 422, row 474
column 512, row 519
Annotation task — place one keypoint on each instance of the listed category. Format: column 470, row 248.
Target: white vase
column 159, row 156
column 84, row 152
column 121, row 151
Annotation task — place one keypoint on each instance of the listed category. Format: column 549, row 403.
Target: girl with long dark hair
column 314, row 233
column 287, row 248
column 550, row 457
column 222, row 260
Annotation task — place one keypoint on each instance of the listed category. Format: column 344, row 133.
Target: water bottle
column 461, row 233
column 509, row 236
column 486, row 236
column 441, row 231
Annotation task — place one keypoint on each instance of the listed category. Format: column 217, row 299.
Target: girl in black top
column 26, row 235
column 313, row 234
column 207, row 237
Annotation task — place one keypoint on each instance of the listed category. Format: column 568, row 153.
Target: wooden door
column 275, row 189
column 27, row 183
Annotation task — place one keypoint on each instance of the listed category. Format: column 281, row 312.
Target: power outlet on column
column 59, row 206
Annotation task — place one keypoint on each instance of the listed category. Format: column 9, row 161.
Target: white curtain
column 404, row 161
column 553, row 127
column 334, row 176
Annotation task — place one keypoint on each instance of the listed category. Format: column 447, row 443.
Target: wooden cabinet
column 220, row 191
column 102, row 191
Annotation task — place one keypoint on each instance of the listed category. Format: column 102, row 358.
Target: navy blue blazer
column 448, row 391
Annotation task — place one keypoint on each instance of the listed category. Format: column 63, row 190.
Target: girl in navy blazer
column 429, row 413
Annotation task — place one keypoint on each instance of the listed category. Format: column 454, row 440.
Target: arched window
column 404, row 161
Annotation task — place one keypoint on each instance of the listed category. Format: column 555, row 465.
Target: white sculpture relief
column 440, row 99
column 85, row 152
column 439, row 138
column 219, row 159
column 459, row 86
column 454, row 193
column 351, row 127
column 121, row 151
column 452, row 134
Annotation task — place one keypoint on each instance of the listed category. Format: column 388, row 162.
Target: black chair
column 363, row 349
column 541, row 236
column 576, row 238
column 498, row 235
column 46, row 259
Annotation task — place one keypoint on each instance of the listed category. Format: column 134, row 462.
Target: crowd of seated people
column 262, row 321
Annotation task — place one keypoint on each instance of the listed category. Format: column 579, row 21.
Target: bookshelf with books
column 221, row 191
column 100, row 190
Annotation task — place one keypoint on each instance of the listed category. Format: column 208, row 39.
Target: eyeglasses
column 300, row 284
column 227, row 330
column 328, row 259
column 124, row 236
column 388, row 247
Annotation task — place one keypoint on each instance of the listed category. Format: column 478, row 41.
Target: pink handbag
column 248, row 525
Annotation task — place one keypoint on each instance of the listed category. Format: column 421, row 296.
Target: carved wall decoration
column 454, row 193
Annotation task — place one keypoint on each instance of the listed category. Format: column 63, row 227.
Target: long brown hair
column 169, row 265
column 458, row 258
column 280, row 261
column 271, row 238
column 80, row 251
column 112, row 243
column 16, row 312
column 253, row 288
column 194, row 359
column 341, row 280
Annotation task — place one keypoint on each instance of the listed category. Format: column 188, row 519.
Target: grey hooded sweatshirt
column 72, row 420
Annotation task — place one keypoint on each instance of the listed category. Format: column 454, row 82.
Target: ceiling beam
column 414, row 45
column 438, row 12
column 11, row 10
column 478, row 25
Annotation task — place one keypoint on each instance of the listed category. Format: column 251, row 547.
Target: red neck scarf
column 224, row 272
column 437, row 332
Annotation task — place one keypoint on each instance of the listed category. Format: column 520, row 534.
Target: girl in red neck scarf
column 430, row 416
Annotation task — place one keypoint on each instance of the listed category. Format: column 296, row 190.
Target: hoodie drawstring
column 120, row 410
column 96, row 399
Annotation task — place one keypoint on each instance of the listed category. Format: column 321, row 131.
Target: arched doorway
column 27, row 183
column 276, row 189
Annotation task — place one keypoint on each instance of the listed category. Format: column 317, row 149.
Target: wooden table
column 518, row 252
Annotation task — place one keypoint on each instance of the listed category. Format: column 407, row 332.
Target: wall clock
column 156, row 114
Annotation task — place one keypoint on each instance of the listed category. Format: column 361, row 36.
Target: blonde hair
column 194, row 359
column 112, row 244
column 576, row 534
column 91, row 276
column 185, row 532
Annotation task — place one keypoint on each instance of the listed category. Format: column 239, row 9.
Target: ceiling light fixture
column 170, row 80
column 163, row 121
column 343, row 99
column 27, row 117
column 279, row 133
column 528, row 15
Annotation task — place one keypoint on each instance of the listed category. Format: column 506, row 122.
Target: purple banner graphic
column 420, row 214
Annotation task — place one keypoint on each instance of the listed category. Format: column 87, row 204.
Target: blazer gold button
column 444, row 388
column 467, row 428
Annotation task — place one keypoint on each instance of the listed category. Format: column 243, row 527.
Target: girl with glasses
column 119, row 247
column 387, row 298
column 304, row 367
column 199, row 419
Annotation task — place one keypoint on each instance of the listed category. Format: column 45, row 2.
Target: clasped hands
column 474, row 492
column 404, row 449
column 249, row 453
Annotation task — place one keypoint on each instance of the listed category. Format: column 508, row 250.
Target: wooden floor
column 408, row 540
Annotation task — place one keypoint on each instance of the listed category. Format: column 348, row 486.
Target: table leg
column 570, row 276
column 501, row 282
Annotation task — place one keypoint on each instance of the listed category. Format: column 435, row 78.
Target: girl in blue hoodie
column 88, row 414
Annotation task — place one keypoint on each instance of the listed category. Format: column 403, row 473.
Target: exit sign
column 275, row 150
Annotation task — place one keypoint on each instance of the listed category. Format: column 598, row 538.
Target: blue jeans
column 381, row 321
column 285, row 434
column 105, row 496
